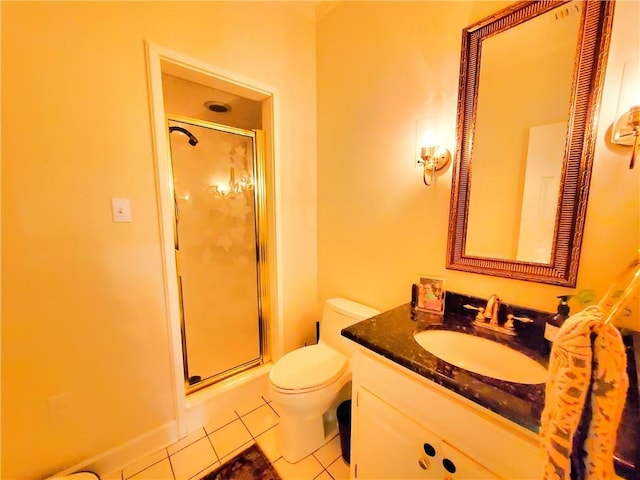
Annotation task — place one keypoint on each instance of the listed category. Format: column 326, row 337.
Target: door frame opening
column 161, row 60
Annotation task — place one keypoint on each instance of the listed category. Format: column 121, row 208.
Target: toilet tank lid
column 351, row 309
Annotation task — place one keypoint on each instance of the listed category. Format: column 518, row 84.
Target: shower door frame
column 262, row 266
column 196, row 411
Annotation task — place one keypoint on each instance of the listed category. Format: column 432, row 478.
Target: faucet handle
column 511, row 317
column 480, row 315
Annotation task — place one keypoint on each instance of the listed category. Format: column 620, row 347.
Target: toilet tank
column 339, row 313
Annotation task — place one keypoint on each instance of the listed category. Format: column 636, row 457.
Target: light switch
column 121, row 208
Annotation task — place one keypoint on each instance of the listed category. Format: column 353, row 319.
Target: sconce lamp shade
column 628, row 97
column 630, row 86
column 428, row 131
column 430, row 154
column 626, row 129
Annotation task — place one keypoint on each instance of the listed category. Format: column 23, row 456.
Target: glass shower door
column 217, row 248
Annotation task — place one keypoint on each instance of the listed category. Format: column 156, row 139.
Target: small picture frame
column 431, row 294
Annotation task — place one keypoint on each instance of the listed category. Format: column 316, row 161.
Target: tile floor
column 206, row 449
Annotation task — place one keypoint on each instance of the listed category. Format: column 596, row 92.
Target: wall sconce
column 626, row 129
column 431, row 156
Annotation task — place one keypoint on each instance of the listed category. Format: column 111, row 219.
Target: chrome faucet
column 492, row 308
column 490, row 312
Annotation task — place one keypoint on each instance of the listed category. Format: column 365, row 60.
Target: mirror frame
column 591, row 56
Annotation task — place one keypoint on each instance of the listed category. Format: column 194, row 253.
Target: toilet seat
column 307, row 368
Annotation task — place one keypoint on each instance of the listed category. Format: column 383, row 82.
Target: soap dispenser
column 554, row 323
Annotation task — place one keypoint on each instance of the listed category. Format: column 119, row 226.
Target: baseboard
column 122, row 455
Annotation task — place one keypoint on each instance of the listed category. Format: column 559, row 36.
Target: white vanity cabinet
column 393, row 445
column 407, row 427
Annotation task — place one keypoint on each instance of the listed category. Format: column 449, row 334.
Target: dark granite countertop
column 390, row 335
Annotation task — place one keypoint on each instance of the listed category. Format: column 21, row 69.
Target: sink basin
column 482, row 356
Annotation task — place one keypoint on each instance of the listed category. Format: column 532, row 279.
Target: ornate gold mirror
column 530, row 84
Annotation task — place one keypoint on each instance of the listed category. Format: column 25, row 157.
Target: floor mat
column 252, row 464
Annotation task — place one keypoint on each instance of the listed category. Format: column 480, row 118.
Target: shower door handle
column 179, row 264
column 176, row 214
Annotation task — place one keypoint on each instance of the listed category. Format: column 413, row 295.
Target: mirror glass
column 519, row 140
column 530, row 80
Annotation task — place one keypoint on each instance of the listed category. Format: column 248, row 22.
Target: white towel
column 577, row 363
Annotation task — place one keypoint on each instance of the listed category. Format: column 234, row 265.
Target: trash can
column 344, row 429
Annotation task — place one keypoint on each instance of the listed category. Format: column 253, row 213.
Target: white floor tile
column 188, row 456
column 273, row 407
column 159, row 471
column 236, row 451
column 193, row 459
column 229, row 438
column 188, row 440
column 327, row 454
column 307, row 468
column 249, row 404
column 323, row 476
column 267, row 442
column 143, row 463
column 206, row 471
column 221, row 419
column 260, row 420
column 339, row 469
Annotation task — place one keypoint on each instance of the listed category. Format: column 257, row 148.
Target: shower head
column 193, row 141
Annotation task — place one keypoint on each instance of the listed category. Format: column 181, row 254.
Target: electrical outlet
column 60, row 406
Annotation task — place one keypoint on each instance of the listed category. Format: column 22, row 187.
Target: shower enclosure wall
column 218, row 189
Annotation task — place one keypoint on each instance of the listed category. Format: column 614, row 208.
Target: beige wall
column 381, row 66
column 84, row 308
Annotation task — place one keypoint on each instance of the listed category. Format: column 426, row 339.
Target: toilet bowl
column 307, row 384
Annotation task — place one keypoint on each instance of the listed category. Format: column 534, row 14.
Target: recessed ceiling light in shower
column 217, row 107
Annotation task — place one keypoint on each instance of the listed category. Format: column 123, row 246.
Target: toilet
column 307, row 384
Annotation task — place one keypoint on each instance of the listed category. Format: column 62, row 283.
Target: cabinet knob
column 424, row 463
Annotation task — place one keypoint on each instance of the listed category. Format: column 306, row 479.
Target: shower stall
column 218, row 187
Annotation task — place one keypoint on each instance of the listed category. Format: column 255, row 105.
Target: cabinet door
column 460, row 466
column 392, row 445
